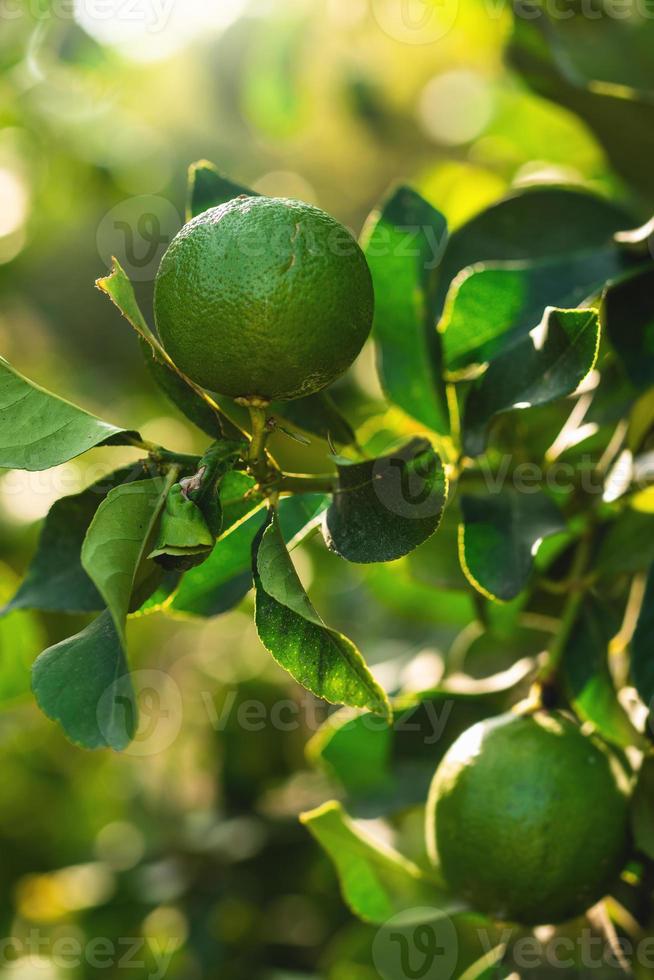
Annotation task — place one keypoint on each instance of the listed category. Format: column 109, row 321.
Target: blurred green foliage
column 195, row 847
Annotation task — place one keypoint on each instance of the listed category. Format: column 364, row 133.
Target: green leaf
column 117, row 540
column 226, row 576
column 183, row 530
column 403, row 245
column 55, row 580
column 642, row 807
column 377, row 882
column 529, row 225
column 587, row 677
column 207, row 188
column 629, row 318
column 39, row 430
column 490, row 307
column 356, row 748
column 84, row 684
column 499, row 536
column 320, row 659
column 386, row 507
column 642, row 661
column 548, row 364
column 319, row 416
column 199, row 407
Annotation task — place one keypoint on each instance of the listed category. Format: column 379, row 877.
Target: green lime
column 263, row 298
column 527, row 818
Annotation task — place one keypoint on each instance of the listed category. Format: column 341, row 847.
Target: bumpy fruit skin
column 263, row 298
column 527, row 819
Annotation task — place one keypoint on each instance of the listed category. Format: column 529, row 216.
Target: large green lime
column 263, row 298
column 527, row 818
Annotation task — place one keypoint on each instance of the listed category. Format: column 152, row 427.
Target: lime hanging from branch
column 264, row 299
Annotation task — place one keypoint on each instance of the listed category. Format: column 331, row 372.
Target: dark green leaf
column 642, row 808
column 55, row 580
column 386, row 507
column 629, row 318
column 499, row 537
column 318, row 415
column 531, row 224
column 549, row 363
column 320, row 659
column 490, row 307
column 207, row 188
column 84, row 684
column 587, row 677
column 377, row 882
column 403, row 245
column 117, row 541
column 642, row 661
column 38, row 430
column 199, row 407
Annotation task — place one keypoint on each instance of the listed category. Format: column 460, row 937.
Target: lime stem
column 577, row 586
column 306, row 483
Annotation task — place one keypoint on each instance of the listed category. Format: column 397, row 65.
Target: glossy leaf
column 117, row 540
column 499, row 536
column 403, row 245
column 491, row 307
column 39, row 430
column 55, row 580
column 629, row 319
column 198, row 406
column 587, row 677
column 642, row 661
column 320, row 659
column 384, row 508
column 83, row 683
column 207, row 188
column 548, row 364
column 377, row 882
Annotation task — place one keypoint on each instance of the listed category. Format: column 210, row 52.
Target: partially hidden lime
column 527, row 818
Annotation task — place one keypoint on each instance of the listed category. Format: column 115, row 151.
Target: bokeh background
column 187, row 847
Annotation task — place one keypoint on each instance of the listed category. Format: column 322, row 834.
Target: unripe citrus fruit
column 263, row 298
column 527, row 818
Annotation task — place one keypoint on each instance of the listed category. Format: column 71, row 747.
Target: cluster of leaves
column 538, row 308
